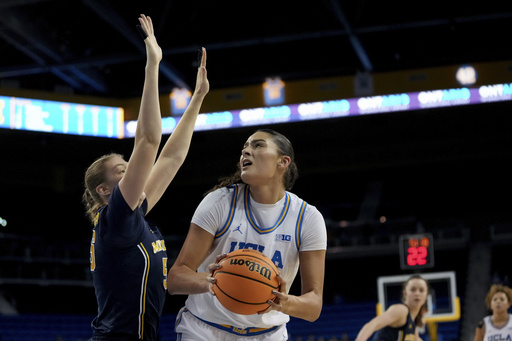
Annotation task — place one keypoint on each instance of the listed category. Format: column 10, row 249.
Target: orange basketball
column 245, row 281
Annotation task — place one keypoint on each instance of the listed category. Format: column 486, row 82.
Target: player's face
column 259, row 160
column 500, row 302
column 415, row 294
column 115, row 169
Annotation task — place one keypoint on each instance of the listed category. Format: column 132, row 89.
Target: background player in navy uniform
column 128, row 256
column 253, row 209
column 497, row 326
column 398, row 322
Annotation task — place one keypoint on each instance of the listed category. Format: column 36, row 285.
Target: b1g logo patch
column 283, row 237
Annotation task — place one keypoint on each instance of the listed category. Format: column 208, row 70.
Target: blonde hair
column 95, row 176
column 495, row 288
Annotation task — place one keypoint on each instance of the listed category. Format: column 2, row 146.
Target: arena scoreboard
column 416, row 251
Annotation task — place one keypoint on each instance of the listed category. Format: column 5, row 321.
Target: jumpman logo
column 238, row 229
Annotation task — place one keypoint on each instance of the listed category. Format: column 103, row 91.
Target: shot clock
column 416, row 251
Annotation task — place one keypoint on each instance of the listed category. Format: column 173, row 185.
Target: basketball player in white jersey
column 498, row 326
column 252, row 209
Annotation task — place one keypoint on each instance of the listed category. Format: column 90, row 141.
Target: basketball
column 245, row 281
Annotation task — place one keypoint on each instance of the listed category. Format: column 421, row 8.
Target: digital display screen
column 345, row 107
column 416, row 251
column 61, row 117
column 103, row 121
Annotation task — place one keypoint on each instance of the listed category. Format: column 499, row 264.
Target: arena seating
column 336, row 320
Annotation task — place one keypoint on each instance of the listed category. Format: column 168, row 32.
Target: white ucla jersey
column 493, row 333
column 280, row 231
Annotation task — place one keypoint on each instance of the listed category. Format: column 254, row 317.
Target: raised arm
column 176, row 148
column 149, row 123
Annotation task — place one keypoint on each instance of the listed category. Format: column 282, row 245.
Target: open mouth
column 246, row 163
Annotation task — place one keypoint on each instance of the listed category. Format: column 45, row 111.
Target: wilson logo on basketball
column 253, row 267
column 244, row 282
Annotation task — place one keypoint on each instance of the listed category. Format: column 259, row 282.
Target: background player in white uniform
column 128, row 256
column 252, row 209
column 498, row 326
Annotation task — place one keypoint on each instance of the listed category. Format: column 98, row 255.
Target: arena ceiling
column 91, row 47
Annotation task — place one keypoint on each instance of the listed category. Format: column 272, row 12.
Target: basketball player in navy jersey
column 398, row 322
column 498, row 325
column 128, row 255
column 253, row 209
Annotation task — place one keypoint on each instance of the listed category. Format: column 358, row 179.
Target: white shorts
column 190, row 328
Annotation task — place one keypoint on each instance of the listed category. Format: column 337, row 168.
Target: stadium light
column 466, row 75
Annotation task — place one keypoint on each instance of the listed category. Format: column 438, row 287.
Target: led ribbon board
column 342, row 108
column 61, row 117
column 102, row 121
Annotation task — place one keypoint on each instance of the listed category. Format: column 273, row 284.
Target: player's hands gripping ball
column 244, row 281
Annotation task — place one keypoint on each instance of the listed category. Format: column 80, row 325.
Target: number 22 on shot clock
column 416, row 251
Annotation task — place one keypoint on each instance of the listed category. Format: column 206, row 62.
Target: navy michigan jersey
column 403, row 333
column 129, row 271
